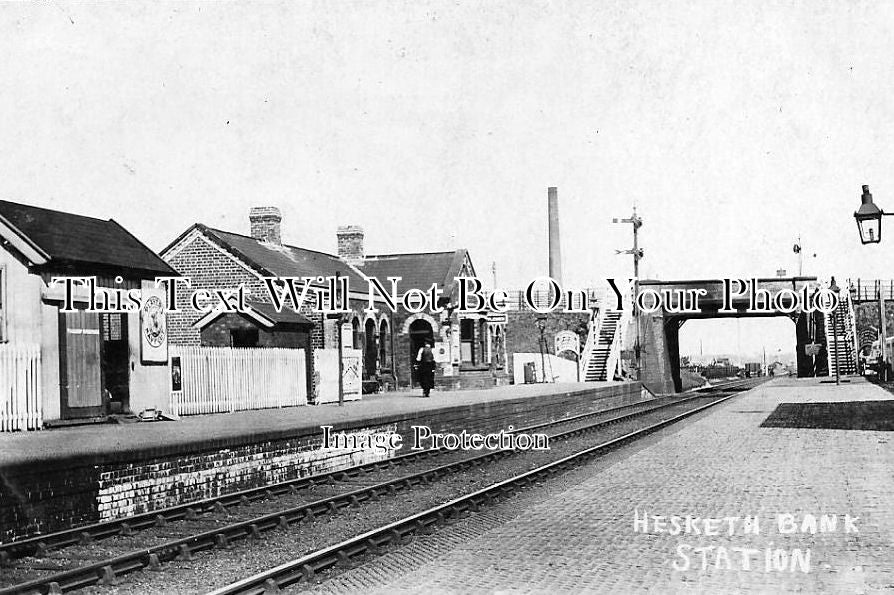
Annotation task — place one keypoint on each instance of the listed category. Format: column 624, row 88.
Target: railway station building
column 469, row 349
column 469, row 346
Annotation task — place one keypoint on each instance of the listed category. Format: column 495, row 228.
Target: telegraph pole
column 637, row 253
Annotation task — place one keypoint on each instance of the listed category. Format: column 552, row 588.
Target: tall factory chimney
column 555, row 249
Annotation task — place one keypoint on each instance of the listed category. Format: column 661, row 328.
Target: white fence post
column 20, row 398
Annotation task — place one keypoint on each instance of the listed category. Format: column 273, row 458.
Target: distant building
column 470, row 345
column 753, row 369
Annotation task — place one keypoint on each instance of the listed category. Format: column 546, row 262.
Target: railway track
column 306, row 567
column 45, row 564
column 43, row 544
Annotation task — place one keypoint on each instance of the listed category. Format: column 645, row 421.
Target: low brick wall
column 83, row 490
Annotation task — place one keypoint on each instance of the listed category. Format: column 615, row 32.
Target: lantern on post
column 869, row 219
column 869, row 222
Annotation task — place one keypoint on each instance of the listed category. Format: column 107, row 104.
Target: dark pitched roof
column 266, row 314
column 78, row 240
column 417, row 270
column 285, row 261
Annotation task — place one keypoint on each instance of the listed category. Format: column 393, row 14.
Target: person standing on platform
column 425, row 367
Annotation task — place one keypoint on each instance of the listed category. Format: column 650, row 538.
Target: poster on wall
column 153, row 327
column 567, row 341
column 442, row 352
column 352, row 380
column 176, row 377
column 347, row 336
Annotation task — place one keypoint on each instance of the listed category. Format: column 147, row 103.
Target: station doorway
column 420, row 332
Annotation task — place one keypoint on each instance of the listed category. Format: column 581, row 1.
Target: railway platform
column 64, row 477
column 125, row 440
column 786, row 488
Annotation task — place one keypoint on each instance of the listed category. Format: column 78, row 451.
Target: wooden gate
column 79, row 370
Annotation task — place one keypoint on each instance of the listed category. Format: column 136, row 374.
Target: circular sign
column 154, row 321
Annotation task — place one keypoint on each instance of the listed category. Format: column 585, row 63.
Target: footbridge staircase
column 842, row 340
column 601, row 355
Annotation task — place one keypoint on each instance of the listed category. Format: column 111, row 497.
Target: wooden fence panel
column 20, row 398
column 227, row 379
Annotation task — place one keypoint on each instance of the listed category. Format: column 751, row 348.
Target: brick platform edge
column 51, row 496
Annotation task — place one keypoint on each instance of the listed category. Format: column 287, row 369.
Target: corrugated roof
column 76, row 239
column 288, row 261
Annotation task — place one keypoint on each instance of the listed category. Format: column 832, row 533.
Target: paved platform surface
column 580, row 537
column 58, row 443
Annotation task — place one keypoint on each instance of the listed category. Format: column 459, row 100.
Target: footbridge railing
column 867, row 290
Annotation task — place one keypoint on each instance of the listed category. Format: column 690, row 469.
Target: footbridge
column 822, row 340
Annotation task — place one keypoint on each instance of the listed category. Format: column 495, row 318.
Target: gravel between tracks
column 81, row 554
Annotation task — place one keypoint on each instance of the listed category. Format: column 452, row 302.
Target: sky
column 734, row 128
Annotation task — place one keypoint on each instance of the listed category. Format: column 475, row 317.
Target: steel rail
column 41, row 544
column 106, row 571
column 370, row 542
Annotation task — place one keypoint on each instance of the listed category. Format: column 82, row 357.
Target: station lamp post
column 869, row 219
column 869, row 223
column 540, row 321
column 447, row 323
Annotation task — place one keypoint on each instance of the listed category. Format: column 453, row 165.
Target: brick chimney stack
column 555, row 248
column 350, row 244
column 265, row 224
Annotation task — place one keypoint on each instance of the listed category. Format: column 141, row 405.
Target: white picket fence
column 20, row 406
column 227, row 379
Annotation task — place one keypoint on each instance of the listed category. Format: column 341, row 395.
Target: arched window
column 357, row 339
column 369, row 350
column 420, row 332
column 384, row 344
